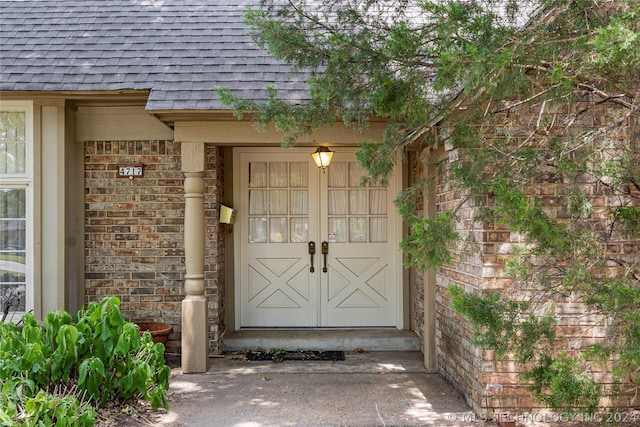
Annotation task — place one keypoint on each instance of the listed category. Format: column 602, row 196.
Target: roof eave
column 169, row 117
column 89, row 98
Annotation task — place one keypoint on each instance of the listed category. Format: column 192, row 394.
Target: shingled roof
column 178, row 50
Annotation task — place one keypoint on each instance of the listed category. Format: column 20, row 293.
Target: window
column 16, row 185
column 278, row 202
column 356, row 214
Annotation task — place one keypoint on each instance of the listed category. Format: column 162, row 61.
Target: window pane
column 337, row 175
column 13, row 221
column 278, row 232
column 257, row 175
column 278, row 174
column 299, row 230
column 278, row 202
column 257, row 230
column 337, row 202
column 257, row 202
column 355, row 173
column 12, row 235
column 378, row 202
column 15, row 293
column 378, row 230
column 357, row 229
column 358, row 202
column 298, row 175
column 299, row 203
column 338, row 226
column 12, row 142
column 13, row 260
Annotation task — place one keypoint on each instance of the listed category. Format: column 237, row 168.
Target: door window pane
column 278, row 202
column 355, row 174
column 337, row 177
column 337, row 202
column 378, row 202
column 278, row 175
column 358, row 230
column 278, row 232
column 257, row 175
column 378, row 229
column 299, row 202
column 338, row 226
column 257, row 202
column 257, row 230
column 298, row 176
column 358, row 202
column 299, row 230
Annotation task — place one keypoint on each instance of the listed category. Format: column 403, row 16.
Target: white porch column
column 195, row 337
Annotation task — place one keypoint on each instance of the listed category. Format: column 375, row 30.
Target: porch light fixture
column 322, row 156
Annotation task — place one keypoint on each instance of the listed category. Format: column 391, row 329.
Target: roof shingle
column 178, row 50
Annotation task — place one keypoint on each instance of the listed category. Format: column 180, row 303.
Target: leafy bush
column 97, row 353
column 62, row 407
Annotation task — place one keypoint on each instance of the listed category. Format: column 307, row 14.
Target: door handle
column 325, row 252
column 312, row 252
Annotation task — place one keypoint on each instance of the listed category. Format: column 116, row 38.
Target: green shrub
column 62, row 407
column 98, row 353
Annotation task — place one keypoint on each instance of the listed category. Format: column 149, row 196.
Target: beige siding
column 119, row 124
column 244, row 133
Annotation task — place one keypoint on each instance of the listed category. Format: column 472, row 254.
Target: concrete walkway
column 366, row 389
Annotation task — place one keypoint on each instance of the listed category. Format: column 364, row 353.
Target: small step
column 322, row 339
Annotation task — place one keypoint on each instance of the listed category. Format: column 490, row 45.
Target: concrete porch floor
column 366, row 389
column 321, row 339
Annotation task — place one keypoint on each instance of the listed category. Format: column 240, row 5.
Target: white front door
column 285, row 204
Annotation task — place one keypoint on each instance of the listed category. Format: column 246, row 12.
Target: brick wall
column 134, row 229
column 458, row 361
column 468, row 368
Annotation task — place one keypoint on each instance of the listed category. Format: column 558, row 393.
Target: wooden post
column 195, row 337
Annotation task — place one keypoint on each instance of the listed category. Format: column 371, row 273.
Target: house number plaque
column 130, row 171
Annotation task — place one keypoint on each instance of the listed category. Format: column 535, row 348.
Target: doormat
column 282, row 355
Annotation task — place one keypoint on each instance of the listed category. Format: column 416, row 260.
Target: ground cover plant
column 530, row 95
column 59, row 372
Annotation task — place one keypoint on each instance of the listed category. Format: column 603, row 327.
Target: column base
column 195, row 337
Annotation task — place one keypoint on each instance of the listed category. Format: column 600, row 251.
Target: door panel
column 360, row 286
column 276, row 217
column 284, row 201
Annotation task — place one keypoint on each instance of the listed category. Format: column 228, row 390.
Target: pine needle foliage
column 530, row 93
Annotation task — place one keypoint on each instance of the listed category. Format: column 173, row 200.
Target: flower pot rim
column 155, row 328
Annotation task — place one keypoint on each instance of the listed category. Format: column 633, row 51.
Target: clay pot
column 159, row 331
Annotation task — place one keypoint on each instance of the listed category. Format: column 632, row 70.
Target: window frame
column 25, row 181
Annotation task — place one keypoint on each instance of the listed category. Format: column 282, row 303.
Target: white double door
column 287, row 207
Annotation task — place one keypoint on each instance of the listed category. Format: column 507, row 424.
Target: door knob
column 325, row 252
column 312, row 252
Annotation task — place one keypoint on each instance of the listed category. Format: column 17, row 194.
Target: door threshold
column 342, row 339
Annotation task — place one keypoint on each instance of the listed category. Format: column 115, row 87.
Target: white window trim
column 25, row 181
